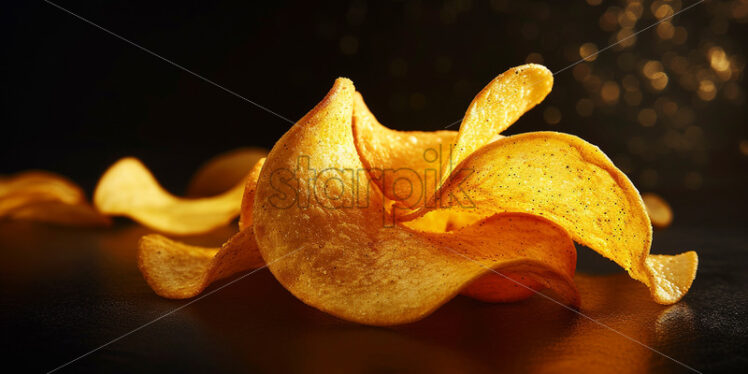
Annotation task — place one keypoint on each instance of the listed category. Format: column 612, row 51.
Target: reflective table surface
column 65, row 292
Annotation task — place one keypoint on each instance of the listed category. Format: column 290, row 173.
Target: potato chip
column 498, row 106
column 46, row 197
column 333, row 252
column 658, row 209
column 36, row 186
column 177, row 271
column 129, row 189
column 405, row 165
column 248, row 200
column 224, row 172
column 59, row 213
column 499, row 227
column 572, row 183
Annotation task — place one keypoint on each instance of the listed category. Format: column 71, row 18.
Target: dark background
column 75, row 99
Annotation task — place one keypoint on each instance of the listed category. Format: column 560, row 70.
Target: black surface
column 65, row 292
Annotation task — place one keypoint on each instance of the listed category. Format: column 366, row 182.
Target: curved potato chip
column 333, row 253
column 37, row 186
column 223, row 172
column 331, row 245
column 248, row 200
column 129, row 189
column 658, row 209
column 497, row 106
column 46, row 197
column 178, row 271
column 409, row 166
column 403, row 164
column 59, row 213
column 573, row 184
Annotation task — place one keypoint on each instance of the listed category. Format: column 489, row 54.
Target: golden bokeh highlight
column 707, row 90
column 610, row 92
column 665, row 30
column 659, row 81
column 651, row 68
column 661, row 9
column 588, row 52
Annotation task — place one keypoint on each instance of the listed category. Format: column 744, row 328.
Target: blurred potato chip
column 58, row 213
column 46, row 197
column 223, row 172
column 658, row 209
column 127, row 188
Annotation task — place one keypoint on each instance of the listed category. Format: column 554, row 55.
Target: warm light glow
column 718, row 59
column 707, row 90
column 665, row 30
column 659, row 81
column 588, row 51
column 610, row 92
column 662, row 10
column 651, row 68
column 680, row 36
column 626, row 37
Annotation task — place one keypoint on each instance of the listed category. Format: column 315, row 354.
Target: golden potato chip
column 328, row 246
column 46, row 197
column 129, row 189
column 658, row 209
column 59, row 213
column 245, row 215
column 498, row 106
column 405, row 165
column 177, row 271
column 36, row 186
column 573, row 184
column 224, row 172
column 499, row 228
